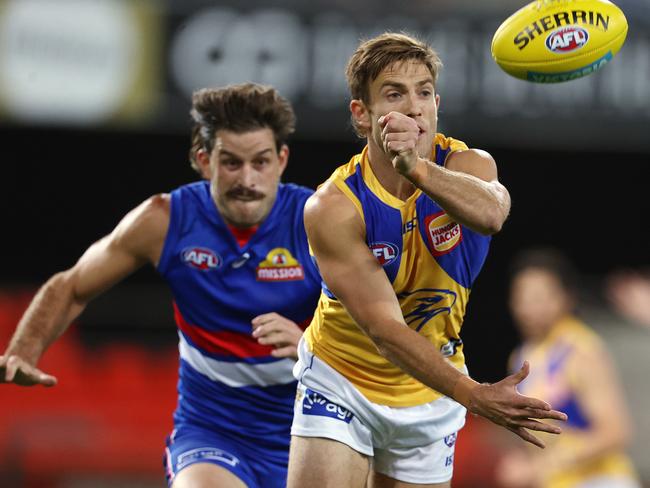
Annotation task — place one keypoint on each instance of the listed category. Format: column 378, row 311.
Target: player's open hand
column 399, row 137
column 14, row 369
column 273, row 329
column 504, row 405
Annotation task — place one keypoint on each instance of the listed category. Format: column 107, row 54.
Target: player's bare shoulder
column 332, row 222
column 157, row 208
column 143, row 230
column 330, row 208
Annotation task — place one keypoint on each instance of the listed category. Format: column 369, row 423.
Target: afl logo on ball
column 201, row 258
column 567, row 39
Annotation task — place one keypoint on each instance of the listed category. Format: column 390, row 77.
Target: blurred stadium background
column 94, row 99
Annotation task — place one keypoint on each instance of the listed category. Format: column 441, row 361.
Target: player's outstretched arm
column 351, row 272
column 138, row 238
column 467, row 187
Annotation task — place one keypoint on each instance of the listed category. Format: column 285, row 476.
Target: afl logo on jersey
column 385, row 252
column 201, row 258
column 443, row 233
column 567, row 39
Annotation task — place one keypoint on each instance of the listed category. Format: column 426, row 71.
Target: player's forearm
column 482, row 206
column 420, row 358
column 46, row 318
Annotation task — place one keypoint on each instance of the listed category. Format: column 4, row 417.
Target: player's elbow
column 61, row 282
column 495, row 215
column 381, row 344
column 494, row 221
column 385, row 342
column 62, row 287
column 489, row 222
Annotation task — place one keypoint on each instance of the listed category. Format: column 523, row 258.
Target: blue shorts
column 258, row 468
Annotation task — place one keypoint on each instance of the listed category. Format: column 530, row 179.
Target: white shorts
column 410, row 444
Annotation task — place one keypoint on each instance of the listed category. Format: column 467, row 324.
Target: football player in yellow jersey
column 399, row 235
column 573, row 369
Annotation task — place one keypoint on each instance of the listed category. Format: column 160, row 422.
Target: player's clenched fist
column 399, row 136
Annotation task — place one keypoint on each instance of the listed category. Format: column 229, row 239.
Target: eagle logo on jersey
column 201, row 258
column 443, row 233
column 425, row 304
column 280, row 265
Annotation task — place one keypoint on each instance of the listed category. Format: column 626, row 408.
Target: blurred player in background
column 234, row 251
column 399, row 234
column 571, row 368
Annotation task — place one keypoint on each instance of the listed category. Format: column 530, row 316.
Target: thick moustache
column 245, row 194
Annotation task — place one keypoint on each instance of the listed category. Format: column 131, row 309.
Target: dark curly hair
column 238, row 108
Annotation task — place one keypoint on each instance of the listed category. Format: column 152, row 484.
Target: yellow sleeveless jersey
column 552, row 378
column 431, row 262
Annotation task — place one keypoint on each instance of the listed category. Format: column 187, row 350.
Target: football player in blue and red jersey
column 233, row 249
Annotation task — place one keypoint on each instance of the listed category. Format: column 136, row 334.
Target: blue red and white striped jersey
column 227, row 381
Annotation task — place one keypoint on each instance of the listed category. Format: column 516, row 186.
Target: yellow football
column 549, row 41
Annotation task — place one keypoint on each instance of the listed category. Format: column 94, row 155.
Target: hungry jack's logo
column 280, row 265
column 443, row 233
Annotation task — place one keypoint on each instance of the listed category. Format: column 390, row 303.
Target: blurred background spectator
column 93, row 117
column 629, row 292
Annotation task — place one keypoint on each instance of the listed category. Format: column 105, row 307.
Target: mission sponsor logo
column 567, row 39
column 443, row 233
column 201, row 258
column 385, row 252
column 313, row 403
column 280, row 265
